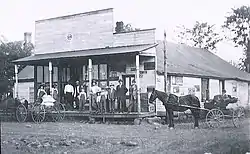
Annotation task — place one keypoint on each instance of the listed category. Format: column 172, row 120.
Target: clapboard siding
column 26, row 91
column 88, row 31
column 134, row 38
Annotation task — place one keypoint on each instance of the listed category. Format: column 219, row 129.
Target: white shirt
column 69, row 88
column 95, row 89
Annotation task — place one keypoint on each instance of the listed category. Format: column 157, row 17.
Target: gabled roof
column 190, row 61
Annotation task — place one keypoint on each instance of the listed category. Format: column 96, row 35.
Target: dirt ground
column 79, row 137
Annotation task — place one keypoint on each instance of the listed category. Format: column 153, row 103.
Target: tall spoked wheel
column 238, row 117
column 38, row 113
column 55, row 113
column 61, row 109
column 214, row 118
column 21, row 113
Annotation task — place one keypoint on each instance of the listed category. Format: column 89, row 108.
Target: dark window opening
column 149, row 66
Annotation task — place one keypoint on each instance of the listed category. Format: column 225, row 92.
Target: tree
column 9, row 52
column 237, row 65
column 120, row 27
column 201, row 35
column 238, row 22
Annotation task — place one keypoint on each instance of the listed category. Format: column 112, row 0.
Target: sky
column 19, row 16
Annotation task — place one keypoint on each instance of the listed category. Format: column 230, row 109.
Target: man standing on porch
column 133, row 97
column 121, row 91
column 111, row 98
column 76, row 94
column 94, row 90
column 69, row 92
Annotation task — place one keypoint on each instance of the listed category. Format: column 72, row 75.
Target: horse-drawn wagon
column 16, row 107
column 220, row 109
column 217, row 110
column 48, row 105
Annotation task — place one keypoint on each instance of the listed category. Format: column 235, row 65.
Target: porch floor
column 131, row 115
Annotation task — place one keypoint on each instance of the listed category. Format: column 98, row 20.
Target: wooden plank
column 108, row 115
column 123, row 115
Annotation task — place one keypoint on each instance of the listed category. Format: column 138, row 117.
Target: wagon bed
column 216, row 116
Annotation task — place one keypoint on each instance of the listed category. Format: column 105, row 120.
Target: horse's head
column 153, row 96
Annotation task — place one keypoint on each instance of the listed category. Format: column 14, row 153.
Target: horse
column 174, row 103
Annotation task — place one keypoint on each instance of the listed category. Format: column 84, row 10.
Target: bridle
column 154, row 96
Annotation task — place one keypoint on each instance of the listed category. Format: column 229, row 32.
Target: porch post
column 50, row 77
column 35, row 82
column 90, row 81
column 59, row 84
column 16, row 85
column 137, row 62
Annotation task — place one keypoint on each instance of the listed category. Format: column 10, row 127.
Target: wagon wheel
column 61, row 109
column 214, row 118
column 238, row 116
column 55, row 113
column 38, row 113
column 21, row 113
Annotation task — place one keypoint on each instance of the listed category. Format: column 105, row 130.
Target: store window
column 103, row 71
column 95, row 72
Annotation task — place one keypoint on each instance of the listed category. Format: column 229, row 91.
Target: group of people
column 75, row 97
column 44, row 90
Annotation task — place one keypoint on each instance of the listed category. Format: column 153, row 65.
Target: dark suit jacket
column 111, row 94
column 121, row 91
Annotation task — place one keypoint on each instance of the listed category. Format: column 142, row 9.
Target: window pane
column 68, row 74
column 39, row 74
column 46, row 73
column 85, row 73
column 55, row 74
column 103, row 71
column 95, row 72
column 64, row 75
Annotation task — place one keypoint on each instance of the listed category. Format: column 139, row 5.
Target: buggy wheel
column 238, row 117
column 61, row 113
column 21, row 113
column 214, row 118
column 38, row 113
column 55, row 113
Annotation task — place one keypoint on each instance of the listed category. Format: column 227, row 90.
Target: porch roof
column 86, row 53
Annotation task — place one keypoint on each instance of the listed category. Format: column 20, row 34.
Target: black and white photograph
column 125, row 77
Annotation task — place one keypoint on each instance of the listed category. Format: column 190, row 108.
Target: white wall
column 242, row 90
column 229, row 86
column 188, row 84
column 184, row 89
column 214, row 88
column 26, row 90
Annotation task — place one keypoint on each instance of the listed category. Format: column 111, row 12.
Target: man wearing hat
column 111, row 97
column 133, row 97
column 69, row 92
column 94, row 91
column 121, row 91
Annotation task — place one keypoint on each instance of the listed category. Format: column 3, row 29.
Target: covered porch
column 105, row 65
